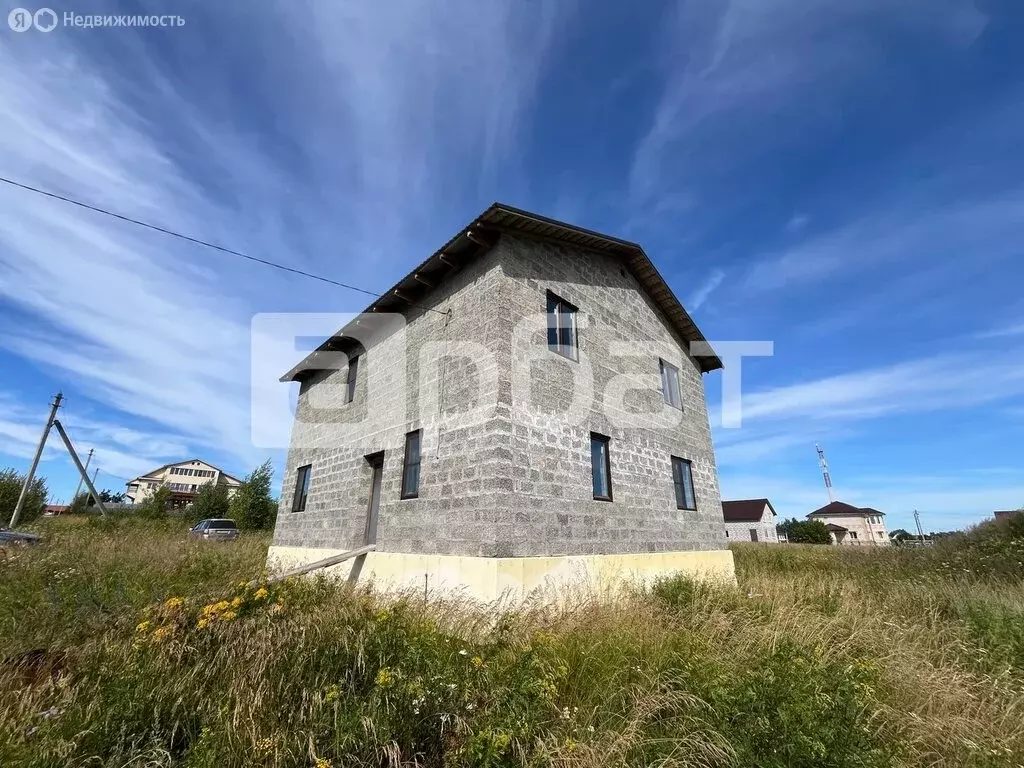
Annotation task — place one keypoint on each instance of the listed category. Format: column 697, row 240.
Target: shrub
column 155, row 507
column 252, row 506
column 11, row 482
column 805, row 531
column 210, row 502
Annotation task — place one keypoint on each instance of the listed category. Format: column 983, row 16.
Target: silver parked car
column 215, row 530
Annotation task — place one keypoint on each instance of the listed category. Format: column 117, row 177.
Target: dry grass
column 819, row 658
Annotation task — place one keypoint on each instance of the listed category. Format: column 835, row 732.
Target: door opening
column 376, row 462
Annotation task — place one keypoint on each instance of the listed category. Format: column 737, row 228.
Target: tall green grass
column 158, row 653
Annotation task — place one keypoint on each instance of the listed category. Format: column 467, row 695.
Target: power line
column 190, row 239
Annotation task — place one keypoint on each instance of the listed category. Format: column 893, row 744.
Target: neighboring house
column 999, row 514
column 750, row 520
column 52, row 510
column 853, row 526
column 521, row 409
column 184, row 479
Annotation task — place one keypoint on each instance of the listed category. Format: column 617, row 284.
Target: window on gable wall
column 670, row 384
column 350, row 384
column 562, row 327
column 411, row 466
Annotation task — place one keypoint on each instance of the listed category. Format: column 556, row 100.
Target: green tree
column 109, row 497
column 252, row 506
column 900, row 535
column 210, row 502
column 10, row 489
column 805, row 531
column 80, row 504
column 156, row 506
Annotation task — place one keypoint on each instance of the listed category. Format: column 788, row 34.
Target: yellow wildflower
column 237, row 602
column 385, row 677
column 142, row 627
column 478, row 662
column 221, row 605
column 261, row 594
column 332, row 694
column 203, row 623
column 174, row 603
column 229, row 615
column 323, row 762
column 263, row 746
column 160, row 634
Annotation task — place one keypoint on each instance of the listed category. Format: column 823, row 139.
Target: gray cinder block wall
column 505, row 462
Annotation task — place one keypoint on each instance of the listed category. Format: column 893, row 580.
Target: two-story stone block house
column 525, row 408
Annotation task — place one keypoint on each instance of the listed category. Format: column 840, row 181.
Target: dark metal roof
column 745, row 510
column 480, row 236
column 840, row 508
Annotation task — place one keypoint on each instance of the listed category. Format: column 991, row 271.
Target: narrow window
column 600, row 466
column 727, row 533
column 682, row 476
column 350, row 385
column 301, row 488
column 411, row 468
column 853, row 534
column 753, row 534
column 670, row 384
column 561, row 327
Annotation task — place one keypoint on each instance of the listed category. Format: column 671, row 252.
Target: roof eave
column 479, row 236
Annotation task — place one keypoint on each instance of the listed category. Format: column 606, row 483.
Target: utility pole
column 35, row 461
column 79, row 486
column 79, row 467
column 917, row 520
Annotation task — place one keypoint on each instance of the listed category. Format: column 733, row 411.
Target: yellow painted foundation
column 512, row 579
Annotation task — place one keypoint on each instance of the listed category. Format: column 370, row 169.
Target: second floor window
column 411, row 466
column 301, row 488
column 682, row 477
column 601, row 467
column 350, row 384
column 561, row 327
column 670, row 384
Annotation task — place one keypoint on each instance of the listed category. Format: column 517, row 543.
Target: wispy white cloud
column 386, row 115
column 954, row 380
column 892, row 235
column 734, row 63
column 1016, row 329
column 705, row 289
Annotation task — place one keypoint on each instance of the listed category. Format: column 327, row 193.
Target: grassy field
column 126, row 645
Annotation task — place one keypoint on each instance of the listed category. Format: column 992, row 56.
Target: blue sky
column 844, row 180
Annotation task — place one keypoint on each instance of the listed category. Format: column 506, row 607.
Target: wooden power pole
column 35, row 461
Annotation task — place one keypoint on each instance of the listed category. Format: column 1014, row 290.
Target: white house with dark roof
column 750, row 520
column 853, row 526
column 183, row 478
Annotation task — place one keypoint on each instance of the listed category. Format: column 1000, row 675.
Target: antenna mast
column 824, row 472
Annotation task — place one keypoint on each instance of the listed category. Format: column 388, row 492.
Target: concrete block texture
column 506, row 422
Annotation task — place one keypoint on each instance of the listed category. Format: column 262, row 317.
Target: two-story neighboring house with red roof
column 853, row 526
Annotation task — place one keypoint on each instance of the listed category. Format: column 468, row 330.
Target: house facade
column 853, row 526
column 184, row 479
column 750, row 520
column 526, row 407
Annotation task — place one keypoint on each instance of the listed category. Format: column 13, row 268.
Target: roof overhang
column 476, row 239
